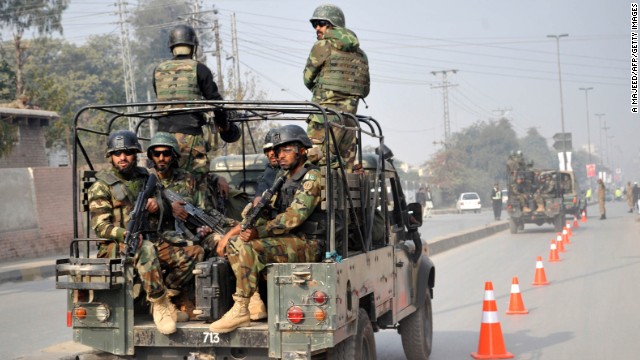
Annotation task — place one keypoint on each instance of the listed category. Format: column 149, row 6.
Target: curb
column 448, row 242
column 36, row 270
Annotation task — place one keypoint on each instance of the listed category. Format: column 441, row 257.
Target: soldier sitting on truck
column 111, row 200
column 519, row 192
column 294, row 234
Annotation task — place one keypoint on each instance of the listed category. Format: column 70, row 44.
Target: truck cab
column 375, row 272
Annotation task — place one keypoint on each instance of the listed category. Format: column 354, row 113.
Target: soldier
column 601, row 200
column 291, row 236
column 270, row 170
column 111, row 200
column 183, row 78
column 337, row 73
column 519, row 192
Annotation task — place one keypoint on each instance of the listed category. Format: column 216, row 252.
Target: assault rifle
column 138, row 217
column 197, row 217
column 253, row 214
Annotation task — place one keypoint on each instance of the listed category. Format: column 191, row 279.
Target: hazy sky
column 504, row 60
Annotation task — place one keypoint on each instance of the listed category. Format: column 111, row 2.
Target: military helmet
column 268, row 141
column 330, row 13
column 183, row 35
column 123, row 140
column 290, row 133
column 164, row 139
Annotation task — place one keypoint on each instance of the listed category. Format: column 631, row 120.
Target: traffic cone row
column 491, row 343
column 583, row 218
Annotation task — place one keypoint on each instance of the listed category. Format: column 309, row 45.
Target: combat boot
column 541, row 208
column 526, row 209
column 164, row 314
column 257, row 309
column 181, row 315
column 236, row 317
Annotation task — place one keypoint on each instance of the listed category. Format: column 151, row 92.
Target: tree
column 535, row 148
column 19, row 15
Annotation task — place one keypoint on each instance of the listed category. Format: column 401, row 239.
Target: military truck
column 536, row 196
column 375, row 273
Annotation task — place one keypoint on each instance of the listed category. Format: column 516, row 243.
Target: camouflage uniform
column 174, row 249
column 111, row 200
column 286, row 237
column 337, row 72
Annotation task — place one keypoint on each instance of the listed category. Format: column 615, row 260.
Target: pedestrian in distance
column 337, row 73
column 601, row 200
column 496, row 201
column 183, row 78
column 421, row 198
column 636, row 194
column 292, row 235
column 429, row 203
column 630, row 197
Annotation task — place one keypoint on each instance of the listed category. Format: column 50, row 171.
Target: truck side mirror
column 414, row 216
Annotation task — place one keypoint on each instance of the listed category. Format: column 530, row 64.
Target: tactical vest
column 122, row 197
column 345, row 72
column 177, row 80
column 315, row 224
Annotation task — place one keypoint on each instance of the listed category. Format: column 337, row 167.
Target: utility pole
column 601, row 149
column 606, row 139
column 586, row 97
column 445, row 99
column 564, row 140
column 216, row 33
column 236, row 59
column 129, row 82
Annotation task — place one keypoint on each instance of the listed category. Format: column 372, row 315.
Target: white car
column 468, row 201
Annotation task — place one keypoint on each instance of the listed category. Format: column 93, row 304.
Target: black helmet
column 183, row 35
column 290, row 133
column 268, row 140
column 164, row 139
column 123, row 140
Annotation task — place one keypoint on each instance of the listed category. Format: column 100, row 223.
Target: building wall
column 29, row 151
column 49, row 203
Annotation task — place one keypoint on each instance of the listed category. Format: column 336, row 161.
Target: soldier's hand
column 223, row 187
column 249, row 234
column 221, row 248
column 178, row 210
column 203, row 231
column 152, row 205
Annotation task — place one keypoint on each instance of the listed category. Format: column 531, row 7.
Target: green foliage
column 8, row 136
column 535, row 148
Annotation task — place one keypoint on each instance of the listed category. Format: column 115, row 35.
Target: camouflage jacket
column 336, row 63
column 111, row 200
column 182, row 183
column 303, row 205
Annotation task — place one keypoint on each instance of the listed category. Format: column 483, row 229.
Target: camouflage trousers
column 248, row 259
column 193, row 153
column 146, row 263
column 345, row 139
column 179, row 262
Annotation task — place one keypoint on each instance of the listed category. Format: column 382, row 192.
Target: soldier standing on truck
column 337, row 73
column 111, row 200
column 185, row 79
column 293, row 235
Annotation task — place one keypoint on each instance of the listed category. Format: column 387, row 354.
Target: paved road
column 589, row 311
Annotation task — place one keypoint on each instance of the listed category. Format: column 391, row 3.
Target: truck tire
column 361, row 346
column 416, row 331
column 513, row 226
column 558, row 222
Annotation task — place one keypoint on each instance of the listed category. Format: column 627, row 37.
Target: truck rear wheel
column 416, row 331
column 513, row 226
column 361, row 346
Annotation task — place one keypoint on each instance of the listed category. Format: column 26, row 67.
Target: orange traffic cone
column 516, row 306
column 540, row 277
column 584, row 216
column 568, row 226
column 565, row 236
column 491, row 343
column 560, row 243
column 553, row 252
column 575, row 221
